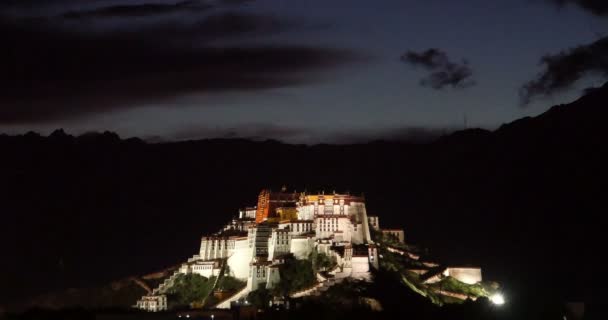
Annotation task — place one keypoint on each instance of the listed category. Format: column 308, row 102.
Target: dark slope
column 525, row 201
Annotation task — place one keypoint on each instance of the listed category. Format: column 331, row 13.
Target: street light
column 497, row 299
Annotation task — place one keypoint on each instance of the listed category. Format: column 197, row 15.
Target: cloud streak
column 596, row 7
column 138, row 10
column 443, row 72
column 562, row 70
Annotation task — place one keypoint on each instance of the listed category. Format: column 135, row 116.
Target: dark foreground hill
column 525, row 202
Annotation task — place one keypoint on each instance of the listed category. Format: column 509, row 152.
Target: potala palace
column 251, row 247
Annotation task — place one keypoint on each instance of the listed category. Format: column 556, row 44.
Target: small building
column 152, row 303
column 468, row 275
column 206, row 269
column 263, row 274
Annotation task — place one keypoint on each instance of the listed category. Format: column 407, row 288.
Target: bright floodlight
column 497, row 299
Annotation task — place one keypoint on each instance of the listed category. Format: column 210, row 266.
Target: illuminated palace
column 284, row 223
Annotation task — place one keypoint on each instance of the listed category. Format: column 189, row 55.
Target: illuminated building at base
column 283, row 223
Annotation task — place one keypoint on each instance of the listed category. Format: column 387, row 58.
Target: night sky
column 297, row 71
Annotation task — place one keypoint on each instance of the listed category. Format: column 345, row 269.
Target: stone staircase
column 326, row 285
column 162, row 288
column 306, row 292
column 322, row 285
column 460, row 296
column 168, row 283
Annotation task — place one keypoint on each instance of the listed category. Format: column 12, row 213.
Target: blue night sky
column 365, row 92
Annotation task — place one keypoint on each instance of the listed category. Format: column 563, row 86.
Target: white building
column 206, row 269
column 335, row 224
column 263, row 274
column 468, row 275
column 297, row 227
column 216, row 247
column 279, row 243
column 152, row 303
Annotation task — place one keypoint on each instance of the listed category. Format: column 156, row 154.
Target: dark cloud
column 597, row 7
column 99, row 9
column 443, row 72
column 590, row 90
column 564, row 69
column 138, row 10
column 50, row 73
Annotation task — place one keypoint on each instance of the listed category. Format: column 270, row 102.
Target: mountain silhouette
column 524, row 201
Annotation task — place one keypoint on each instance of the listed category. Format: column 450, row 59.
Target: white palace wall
column 238, row 262
column 278, row 244
column 206, row 269
column 466, row 275
column 301, row 247
column 361, row 224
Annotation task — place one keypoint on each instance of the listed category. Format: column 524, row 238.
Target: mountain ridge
column 511, row 200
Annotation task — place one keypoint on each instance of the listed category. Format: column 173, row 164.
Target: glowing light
column 497, row 299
